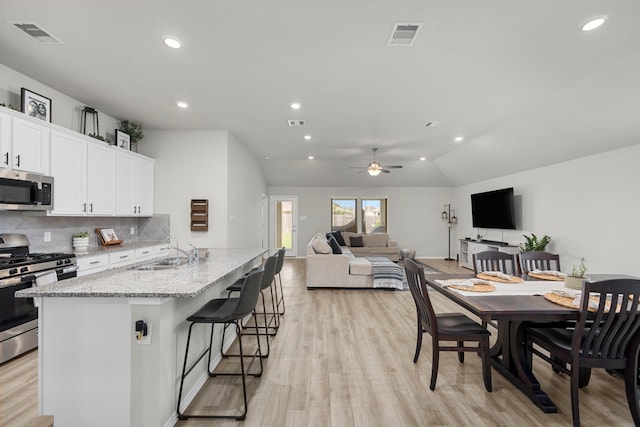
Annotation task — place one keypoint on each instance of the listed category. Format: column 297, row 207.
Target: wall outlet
column 145, row 340
column 133, row 231
column 47, row 236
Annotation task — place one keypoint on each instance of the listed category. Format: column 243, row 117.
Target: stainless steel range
column 20, row 269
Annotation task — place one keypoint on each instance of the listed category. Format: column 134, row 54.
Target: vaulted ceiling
column 519, row 81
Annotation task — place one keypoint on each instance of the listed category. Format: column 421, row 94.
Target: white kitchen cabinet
column 143, row 254
column 101, row 185
column 5, row 140
column 84, row 175
column 470, row 247
column 68, row 164
column 24, row 143
column 92, row 264
column 134, row 184
column 143, row 185
column 121, row 258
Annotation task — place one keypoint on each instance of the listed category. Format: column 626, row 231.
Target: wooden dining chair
column 600, row 338
column 445, row 327
column 538, row 260
column 495, row 261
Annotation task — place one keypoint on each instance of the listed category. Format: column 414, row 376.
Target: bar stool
column 225, row 311
column 281, row 253
column 267, row 278
column 275, row 300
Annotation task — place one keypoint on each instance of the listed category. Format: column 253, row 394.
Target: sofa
column 376, row 244
column 328, row 270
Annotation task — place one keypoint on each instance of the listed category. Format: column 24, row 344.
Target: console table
column 470, row 247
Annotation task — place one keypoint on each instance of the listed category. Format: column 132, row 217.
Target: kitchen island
column 92, row 368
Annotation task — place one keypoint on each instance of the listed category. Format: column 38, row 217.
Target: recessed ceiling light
column 310, row 157
column 307, row 137
column 172, row 42
column 182, row 104
column 594, row 23
column 295, row 105
column 266, row 157
column 423, row 158
column 458, row 138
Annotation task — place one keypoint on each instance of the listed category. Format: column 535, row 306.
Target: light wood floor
column 344, row 358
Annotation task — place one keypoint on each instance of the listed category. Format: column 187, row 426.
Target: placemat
column 476, row 287
column 511, row 279
column 545, row 276
column 569, row 302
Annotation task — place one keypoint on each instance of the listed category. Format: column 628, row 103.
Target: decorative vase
column 80, row 244
column 574, row 282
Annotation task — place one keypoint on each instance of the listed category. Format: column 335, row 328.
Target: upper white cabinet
column 5, row 140
column 134, row 184
column 69, row 168
column 83, row 173
column 101, row 185
column 24, row 143
column 90, row 176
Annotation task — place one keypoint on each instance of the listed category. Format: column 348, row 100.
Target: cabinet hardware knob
column 84, row 207
column 6, row 158
column 18, row 160
column 90, row 207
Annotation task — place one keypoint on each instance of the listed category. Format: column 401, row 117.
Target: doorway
column 285, row 223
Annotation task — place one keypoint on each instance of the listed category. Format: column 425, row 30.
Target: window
column 343, row 215
column 374, row 216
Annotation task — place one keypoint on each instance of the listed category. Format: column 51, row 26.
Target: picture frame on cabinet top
column 35, row 105
column 123, row 140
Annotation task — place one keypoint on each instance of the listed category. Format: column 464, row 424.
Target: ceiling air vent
column 403, row 34
column 296, row 122
column 36, row 32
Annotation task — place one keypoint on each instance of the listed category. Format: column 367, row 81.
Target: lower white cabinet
column 470, row 247
column 122, row 258
column 92, row 264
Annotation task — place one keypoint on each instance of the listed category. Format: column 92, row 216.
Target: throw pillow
column 335, row 247
column 321, row 247
column 356, row 242
column 339, row 238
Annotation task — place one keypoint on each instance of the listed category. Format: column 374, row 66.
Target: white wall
column 588, row 206
column 190, row 165
column 245, row 186
column 65, row 111
column 413, row 219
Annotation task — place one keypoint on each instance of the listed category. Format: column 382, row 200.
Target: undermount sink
column 163, row 264
column 155, row 267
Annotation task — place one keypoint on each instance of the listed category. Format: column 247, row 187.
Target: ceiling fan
column 375, row 168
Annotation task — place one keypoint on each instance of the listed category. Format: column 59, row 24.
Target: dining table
column 512, row 307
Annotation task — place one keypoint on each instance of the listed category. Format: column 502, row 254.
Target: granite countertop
column 186, row 281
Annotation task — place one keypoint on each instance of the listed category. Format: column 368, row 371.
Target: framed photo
column 123, row 140
column 35, row 105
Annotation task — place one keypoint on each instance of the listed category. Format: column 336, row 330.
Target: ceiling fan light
column 374, row 169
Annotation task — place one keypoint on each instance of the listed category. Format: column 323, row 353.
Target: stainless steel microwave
column 25, row 191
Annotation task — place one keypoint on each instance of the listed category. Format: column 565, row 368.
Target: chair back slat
column 495, row 261
column 539, row 260
column 607, row 332
column 418, row 287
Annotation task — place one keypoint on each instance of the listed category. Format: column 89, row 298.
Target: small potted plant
column 80, row 241
column 576, row 279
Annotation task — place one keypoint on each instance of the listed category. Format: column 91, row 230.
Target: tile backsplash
column 35, row 224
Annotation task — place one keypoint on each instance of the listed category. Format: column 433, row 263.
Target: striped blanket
column 387, row 274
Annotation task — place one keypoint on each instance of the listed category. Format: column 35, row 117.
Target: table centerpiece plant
column 577, row 277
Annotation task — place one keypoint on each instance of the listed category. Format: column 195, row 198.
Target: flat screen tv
column 494, row 209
